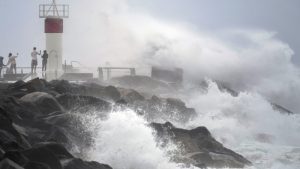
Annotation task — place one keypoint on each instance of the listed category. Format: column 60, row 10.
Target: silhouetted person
column 12, row 62
column 34, row 60
column 45, row 59
column 1, row 65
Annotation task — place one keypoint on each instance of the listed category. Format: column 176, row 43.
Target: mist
column 110, row 32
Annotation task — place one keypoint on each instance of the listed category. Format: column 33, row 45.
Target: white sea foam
column 249, row 125
column 246, row 124
column 253, row 61
column 125, row 141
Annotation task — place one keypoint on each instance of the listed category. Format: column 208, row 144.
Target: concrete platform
column 77, row 76
column 13, row 77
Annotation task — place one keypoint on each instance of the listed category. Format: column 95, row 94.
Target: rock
column 132, row 96
column 225, row 88
column 36, row 85
column 63, row 86
column 36, row 165
column 2, row 152
column 281, row 109
column 164, row 109
column 80, row 103
column 200, row 147
column 20, row 88
column 57, row 149
column 17, row 157
column 44, row 156
column 17, row 110
column 112, row 93
column 68, row 130
column 9, row 142
column 8, row 164
column 141, row 83
column 80, row 164
column 17, row 85
column 45, row 102
column 10, row 138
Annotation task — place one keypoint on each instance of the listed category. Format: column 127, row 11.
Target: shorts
column 33, row 62
column 13, row 66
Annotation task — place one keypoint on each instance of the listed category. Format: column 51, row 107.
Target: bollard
column 132, row 71
column 100, row 73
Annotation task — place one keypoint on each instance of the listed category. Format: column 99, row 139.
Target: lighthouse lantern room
column 54, row 15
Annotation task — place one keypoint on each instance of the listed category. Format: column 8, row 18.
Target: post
column 132, row 71
column 65, row 66
column 108, row 73
column 100, row 73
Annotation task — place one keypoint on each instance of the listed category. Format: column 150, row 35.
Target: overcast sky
column 20, row 27
column 281, row 16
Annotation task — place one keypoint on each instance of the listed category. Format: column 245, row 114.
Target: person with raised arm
column 12, row 62
column 34, row 60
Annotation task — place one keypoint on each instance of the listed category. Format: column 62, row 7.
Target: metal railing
column 49, row 10
column 108, row 71
column 21, row 73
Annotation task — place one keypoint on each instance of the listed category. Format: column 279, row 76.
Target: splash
column 125, row 141
column 246, row 59
column 249, row 125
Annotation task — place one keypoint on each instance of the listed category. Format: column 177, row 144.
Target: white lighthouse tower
column 54, row 15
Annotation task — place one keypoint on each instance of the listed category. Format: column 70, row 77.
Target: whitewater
column 247, row 124
column 253, row 62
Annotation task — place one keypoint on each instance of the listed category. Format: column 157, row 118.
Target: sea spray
column 249, row 125
column 125, row 141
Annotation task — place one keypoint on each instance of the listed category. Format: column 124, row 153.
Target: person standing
column 45, row 59
column 1, row 65
column 34, row 60
column 12, row 62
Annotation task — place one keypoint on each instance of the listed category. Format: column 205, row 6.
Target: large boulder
column 9, row 164
column 80, row 164
column 45, row 102
column 43, row 155
column 63, row 86
column 132, row 96
column 57, row 149
column 36, row 165
column 199, row 148
column 17, row 157
column 69, row 130
column 10, row 138
column 157, row 109
column 82, row 103
column 110, row 93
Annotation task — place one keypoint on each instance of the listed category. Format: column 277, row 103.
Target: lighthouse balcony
column 53, row 11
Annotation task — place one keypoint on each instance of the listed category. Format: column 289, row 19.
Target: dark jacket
column 45, row 56
column 1, row 62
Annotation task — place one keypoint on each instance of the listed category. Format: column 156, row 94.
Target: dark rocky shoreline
column 37, row 127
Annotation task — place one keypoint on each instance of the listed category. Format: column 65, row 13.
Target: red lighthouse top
column 54, row 15
column 53, row 25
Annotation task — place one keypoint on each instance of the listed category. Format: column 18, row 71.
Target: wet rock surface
column 199, row 148
column 40, row 123
column 37, row 129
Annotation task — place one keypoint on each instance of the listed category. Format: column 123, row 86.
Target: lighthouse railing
column 48, row 10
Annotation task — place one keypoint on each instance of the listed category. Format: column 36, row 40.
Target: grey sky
column 20, row 23
column 281, row 16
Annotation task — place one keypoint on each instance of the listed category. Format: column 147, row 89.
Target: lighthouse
column 53, row 15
